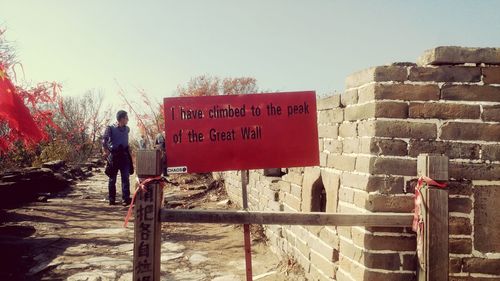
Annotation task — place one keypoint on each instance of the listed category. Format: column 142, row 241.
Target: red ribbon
column 418, row 224
column 142, row 188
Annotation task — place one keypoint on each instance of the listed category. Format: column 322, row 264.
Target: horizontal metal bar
column 286, row 218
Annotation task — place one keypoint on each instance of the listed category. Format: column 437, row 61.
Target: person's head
column 122, row 117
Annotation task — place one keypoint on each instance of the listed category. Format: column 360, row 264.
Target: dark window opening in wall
column 318, row 196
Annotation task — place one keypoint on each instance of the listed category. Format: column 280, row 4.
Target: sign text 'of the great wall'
column 234, row 132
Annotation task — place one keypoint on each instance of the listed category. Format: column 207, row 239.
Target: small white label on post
column 177, row 170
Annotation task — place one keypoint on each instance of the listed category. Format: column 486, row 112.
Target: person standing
column 117, row 154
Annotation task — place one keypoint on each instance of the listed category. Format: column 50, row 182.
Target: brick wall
column 370, row 137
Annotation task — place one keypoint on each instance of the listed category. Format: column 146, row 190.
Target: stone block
column 349, row 97
column 383, row 184
column 460, row 205
column 402, row 92
column 472, row 171
column 335, row 115
column 390, row 203
column 470, row 93
column 330, row 102
column 459, row 226
column 397, row 129
column 388, row 147
column 491, row 75
column 381, row 242
column 410, row 262
column 445, row 73
column 486, row 218
column 348, row 130
column 341, row 162
column 460, row 245
column 326, row 266
column 444, row 111
column 328, row 131
column 387, row 109
column 470, row 131
column 454, row 150
column 460, row 187
column 394, row 166
column 333, row 146
column 459, row 55
column 376, row 74
column 491, row 113
column 491, row 152
column 481, row 265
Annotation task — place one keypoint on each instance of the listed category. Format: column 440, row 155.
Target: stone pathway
column 78, row 237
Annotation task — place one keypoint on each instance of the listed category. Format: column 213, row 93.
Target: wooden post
column 433, row 258
column 246, row 227
column 147, row 225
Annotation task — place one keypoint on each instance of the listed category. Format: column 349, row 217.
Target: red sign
column 239, row 132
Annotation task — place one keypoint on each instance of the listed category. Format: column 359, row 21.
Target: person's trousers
column 124, row 169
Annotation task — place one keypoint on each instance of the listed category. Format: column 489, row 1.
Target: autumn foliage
column 37, row 124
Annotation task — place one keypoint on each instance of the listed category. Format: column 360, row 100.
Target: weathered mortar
column 369, row 139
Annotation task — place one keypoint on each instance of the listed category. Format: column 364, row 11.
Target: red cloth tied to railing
column 142, row 188
column 418, row 222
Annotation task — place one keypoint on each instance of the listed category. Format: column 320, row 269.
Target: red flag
column 15, row 112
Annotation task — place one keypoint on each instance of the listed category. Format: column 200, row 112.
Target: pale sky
column 285, row 45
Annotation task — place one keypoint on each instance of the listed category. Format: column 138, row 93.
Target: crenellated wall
column 369, row 138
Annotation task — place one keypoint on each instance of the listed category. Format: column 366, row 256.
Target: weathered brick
column 406, row 92
column 460, row 187
column 333, row 146
column 491, row 75
column 491, row 113
column 481, row 265
column 376, row 109
column 383, row 184
column 381, row 242
column 346, row 195
column 394, row 166
column 323, row 249
column 376, row 74
column 460, row 245
column 390, row 203
column 453, row 150
column 349, row 97
column 348, row 130
column 387, row 261
column 326, row 266
column 397, row 129
column 459, row 225
column 341, row 162
column 455, row 265
column 351, row 145
column 444, row 111
column 410, row 262
column 330, row 236
column 445, row 74
column 330, row 102
column 293, row 177
column 328, row 131
column 323, row 158
column 460, row 205
column 482, row 171
column 470, row 93
column 388, row 147
column 491, row 152
column 470, row 131
column 459, row 55
column 335, row 115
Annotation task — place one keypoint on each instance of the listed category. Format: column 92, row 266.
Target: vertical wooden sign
column 147, row 225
